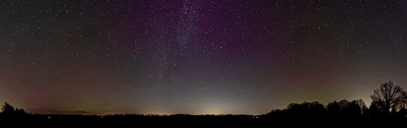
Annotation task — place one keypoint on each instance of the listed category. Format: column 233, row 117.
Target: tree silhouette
column 20, row 112
column 357, row 107
column 402, row 100
column 374, row 106
column 305, row 110
column 346, row 108
column 333, row 108
column 7, row 109
column 387, row 96
column 344, row 105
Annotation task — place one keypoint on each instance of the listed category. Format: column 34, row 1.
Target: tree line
column 8, row 111
column 388, row 100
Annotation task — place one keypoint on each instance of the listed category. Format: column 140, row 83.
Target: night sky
column 196, row 56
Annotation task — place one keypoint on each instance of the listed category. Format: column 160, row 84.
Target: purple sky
column 196, row 56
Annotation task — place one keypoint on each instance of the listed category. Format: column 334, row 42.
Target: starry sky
column 196, row 56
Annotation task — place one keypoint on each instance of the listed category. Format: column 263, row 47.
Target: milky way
column 196, row 56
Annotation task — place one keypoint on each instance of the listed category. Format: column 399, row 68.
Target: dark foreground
column 197, row 121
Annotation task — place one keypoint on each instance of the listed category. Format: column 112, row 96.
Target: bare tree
column 402, row 100
column 387, row 96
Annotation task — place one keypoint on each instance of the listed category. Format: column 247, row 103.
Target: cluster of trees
column 9, row 111
column 315, row 109
column 344, row 107
column 387, row 100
